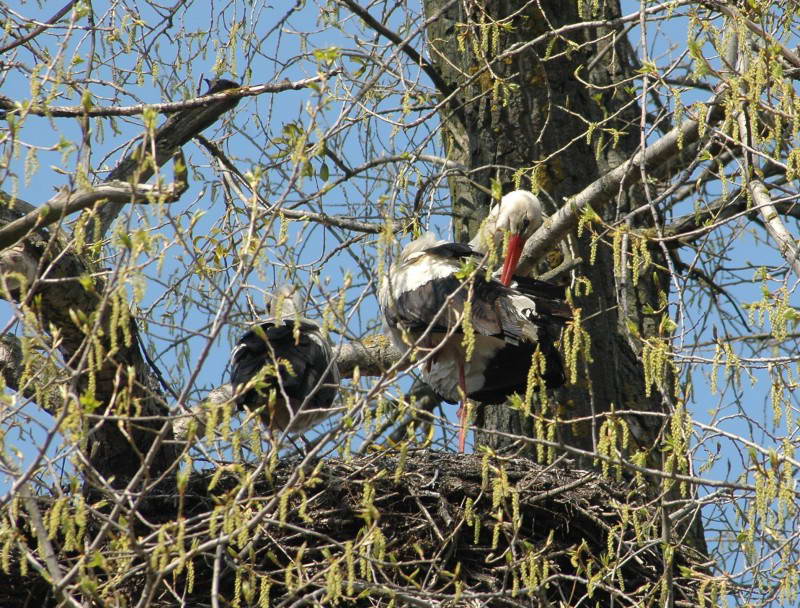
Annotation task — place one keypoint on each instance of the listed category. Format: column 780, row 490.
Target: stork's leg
column 462, row 411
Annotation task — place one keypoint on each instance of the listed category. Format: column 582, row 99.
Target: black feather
column 543, row 289
column 492, row 313
column 453, row 250
column 507, row 372
column 308, row 358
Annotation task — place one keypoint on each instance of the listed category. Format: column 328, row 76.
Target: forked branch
column 597, row 194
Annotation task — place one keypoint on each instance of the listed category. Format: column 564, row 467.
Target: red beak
column 513, row 253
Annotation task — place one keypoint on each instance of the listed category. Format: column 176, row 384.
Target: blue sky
column 182, row 306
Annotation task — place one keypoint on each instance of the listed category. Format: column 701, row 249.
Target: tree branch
column 787, row 244
column 38, row 30
column 730, row 11
column 155, row 151
column 10, row 361
column 597, row 194
column 231, row 92
column 690, row 227
column 66, row 203
column 372, row 355
column 412, row 53
column 12, row 365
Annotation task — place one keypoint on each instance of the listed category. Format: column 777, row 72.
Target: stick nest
column 420, row 529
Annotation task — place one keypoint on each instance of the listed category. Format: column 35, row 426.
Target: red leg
column 462, row 411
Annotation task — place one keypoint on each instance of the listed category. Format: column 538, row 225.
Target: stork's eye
column 525, row 223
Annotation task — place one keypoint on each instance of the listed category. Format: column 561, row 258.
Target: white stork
column 300, row 378
column 423, row 302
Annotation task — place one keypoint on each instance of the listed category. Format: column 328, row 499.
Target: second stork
column 285, row 369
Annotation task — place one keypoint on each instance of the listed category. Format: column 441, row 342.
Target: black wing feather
column 492, row 313
column 454, row 250
column 543, row 289
column 416, row 309
column 273, row 344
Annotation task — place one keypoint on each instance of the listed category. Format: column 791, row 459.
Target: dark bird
column 423, row 299
column 285, row 369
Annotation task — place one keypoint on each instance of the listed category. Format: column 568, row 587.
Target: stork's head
column 520, row 214
column 284, row 302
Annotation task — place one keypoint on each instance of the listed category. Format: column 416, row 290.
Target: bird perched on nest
column 285, row 369
column 425, row 295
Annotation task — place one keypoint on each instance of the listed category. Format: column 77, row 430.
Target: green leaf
column 89, row 403
column 328, row 55
column 497, row 189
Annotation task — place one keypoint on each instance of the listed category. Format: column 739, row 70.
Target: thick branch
column 10, row 361
column 17, row 267
column 177, row 130
column 787, row 244
column 12, row 366
column 66, row 203
column 597, row 194
column 373, row 356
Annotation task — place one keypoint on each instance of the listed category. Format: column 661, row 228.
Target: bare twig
column 730, row 11
column 320, row 218
column 38, row 30
column 376, row 25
